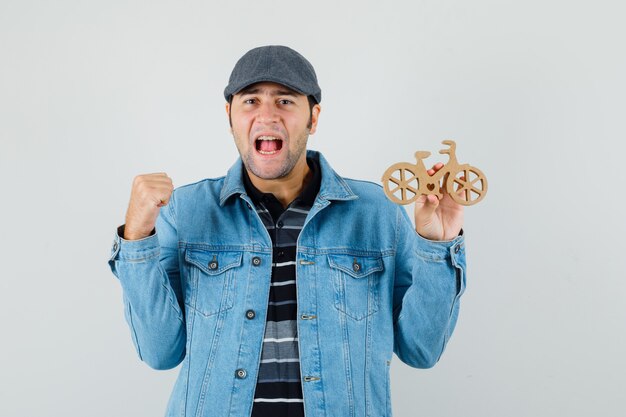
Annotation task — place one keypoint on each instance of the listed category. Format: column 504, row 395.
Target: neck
column 287, row 188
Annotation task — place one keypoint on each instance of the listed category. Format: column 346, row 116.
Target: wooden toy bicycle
column 405, row 182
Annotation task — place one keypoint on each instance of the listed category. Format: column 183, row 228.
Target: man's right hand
column 150, row 192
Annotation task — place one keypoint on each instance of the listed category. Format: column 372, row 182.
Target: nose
column 267, row 112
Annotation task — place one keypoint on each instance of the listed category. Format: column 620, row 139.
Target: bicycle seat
column 421, row 155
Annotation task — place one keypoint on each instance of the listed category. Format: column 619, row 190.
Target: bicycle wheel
column 401, row 183
column 467, row 186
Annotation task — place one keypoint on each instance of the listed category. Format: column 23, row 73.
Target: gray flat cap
column 274, row 63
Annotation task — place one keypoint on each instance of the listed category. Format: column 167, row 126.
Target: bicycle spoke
column 394, row 180
column 412, row 178
column 477, row 191
column 394, row 190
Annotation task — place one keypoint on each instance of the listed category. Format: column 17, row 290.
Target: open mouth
column 268, row 145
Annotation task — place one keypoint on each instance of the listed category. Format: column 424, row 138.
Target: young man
column 282, row 287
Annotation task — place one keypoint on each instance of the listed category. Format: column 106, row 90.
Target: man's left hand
column 438, row 219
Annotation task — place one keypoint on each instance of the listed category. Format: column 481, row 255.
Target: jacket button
column 356, row 267
column 213, row 265
column 280, row 224
column 241, row 373
column 457, row 249
column 250, row 314
column 256, row 261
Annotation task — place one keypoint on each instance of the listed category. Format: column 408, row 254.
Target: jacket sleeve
column 148, row 270
column 429, row 280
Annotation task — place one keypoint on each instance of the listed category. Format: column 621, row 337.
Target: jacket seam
column 137, row 260
column 132, row 326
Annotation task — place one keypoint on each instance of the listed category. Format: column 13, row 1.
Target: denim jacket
column 368, row 285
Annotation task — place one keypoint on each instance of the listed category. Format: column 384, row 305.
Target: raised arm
column 148, row 270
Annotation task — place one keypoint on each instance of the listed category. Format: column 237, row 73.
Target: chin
column 268, row 171
column 265, row 173
column 269, row 175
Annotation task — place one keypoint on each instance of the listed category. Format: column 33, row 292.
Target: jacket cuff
column 442, row 249
column 134, row 250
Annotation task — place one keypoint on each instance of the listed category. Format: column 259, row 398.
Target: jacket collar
column 332, row 187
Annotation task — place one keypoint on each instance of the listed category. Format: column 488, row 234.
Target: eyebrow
column 281, row 92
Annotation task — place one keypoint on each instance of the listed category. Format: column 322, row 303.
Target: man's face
column 269, row 123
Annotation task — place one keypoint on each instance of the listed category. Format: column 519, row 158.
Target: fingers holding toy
column 435, row 168
column 438, row 219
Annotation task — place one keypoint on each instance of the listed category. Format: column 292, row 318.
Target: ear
column 230, row 121
column 315, row 114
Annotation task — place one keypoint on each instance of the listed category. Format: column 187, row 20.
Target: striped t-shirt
column 279, row 390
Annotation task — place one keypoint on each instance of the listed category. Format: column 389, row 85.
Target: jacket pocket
column 357, row 283
column 211, row 280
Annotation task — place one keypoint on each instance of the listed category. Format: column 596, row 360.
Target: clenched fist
column 150, row 192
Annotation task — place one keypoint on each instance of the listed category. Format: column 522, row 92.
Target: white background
column 94, row 92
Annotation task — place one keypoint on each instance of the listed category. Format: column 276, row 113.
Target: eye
column 249, row 101
column 285, row 101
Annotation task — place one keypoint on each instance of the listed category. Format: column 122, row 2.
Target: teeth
column 269, row 138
